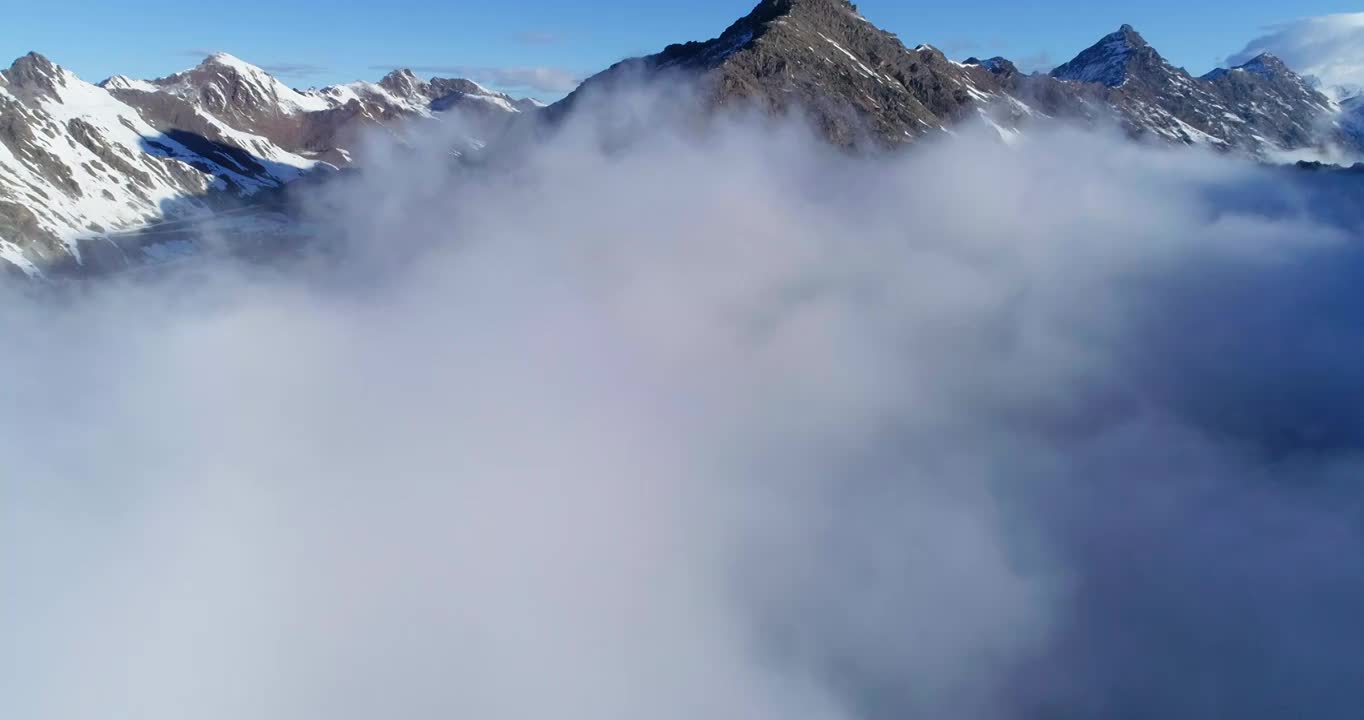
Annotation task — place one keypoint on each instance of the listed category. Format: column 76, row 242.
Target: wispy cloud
column 1328, row 47
column 280, row 69
column 540, row 79
column 1040, row 61
column 296, row 70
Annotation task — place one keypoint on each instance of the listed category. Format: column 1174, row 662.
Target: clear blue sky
column 319, row 42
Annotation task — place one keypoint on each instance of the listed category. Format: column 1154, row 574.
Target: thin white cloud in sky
column 295, row 69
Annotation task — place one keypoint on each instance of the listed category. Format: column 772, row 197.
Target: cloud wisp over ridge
column 1327, row 47
column 724, row 424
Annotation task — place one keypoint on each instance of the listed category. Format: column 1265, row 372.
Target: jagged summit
column 771, row 9
column 1112, row 59
column 997, row 65
column 33, row 61
column 1267, row 68
column 229, row 64
column 778, row 17
column 403, row 83
column 33, row 72
column 1129, row 35
column 228, row 60
column 1266, row 64
column 822, row 59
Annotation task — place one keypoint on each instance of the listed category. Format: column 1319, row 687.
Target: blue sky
column 535, row 46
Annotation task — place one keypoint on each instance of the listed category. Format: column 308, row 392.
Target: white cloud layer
column 721, row 426
column 1328, row 47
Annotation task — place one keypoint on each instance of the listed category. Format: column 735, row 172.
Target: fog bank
column 725, row 425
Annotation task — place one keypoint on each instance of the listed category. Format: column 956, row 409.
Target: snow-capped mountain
column 79, row 160
column 402, row 88
column 74, row 160
column 224, row 96
column 485, row 113
column 1260, row 107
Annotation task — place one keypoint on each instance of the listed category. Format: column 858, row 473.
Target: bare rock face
column 1271, row 102
column 858, row 84
column 33, row 76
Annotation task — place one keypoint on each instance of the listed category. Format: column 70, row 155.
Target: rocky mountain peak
column 32, row 64
column 997, row 65
column 831, row 17
column 403, row 83
column 445, row 86
column 772, row 9
column 33, row 72
column 1267, row 65
column 823, row 13
column 1110, row 60
column 232, row 88
column 230, row 63
column 1130, row 36
column 860, row 85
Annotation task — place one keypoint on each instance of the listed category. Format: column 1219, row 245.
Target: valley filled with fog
column 661, row 421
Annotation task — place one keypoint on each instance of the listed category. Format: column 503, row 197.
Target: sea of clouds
column 710, row 423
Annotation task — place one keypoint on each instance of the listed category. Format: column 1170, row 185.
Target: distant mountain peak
column 997, row 65
column 403, row 83
column 231, row 62
column 1266, row 64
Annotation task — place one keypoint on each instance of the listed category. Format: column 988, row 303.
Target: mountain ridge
column 163, row 148
column 854, row 81
column 80, row 160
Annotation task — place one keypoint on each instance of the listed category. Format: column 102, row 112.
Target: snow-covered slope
column 76, row 160
column 230, row 87
column 224, row 95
